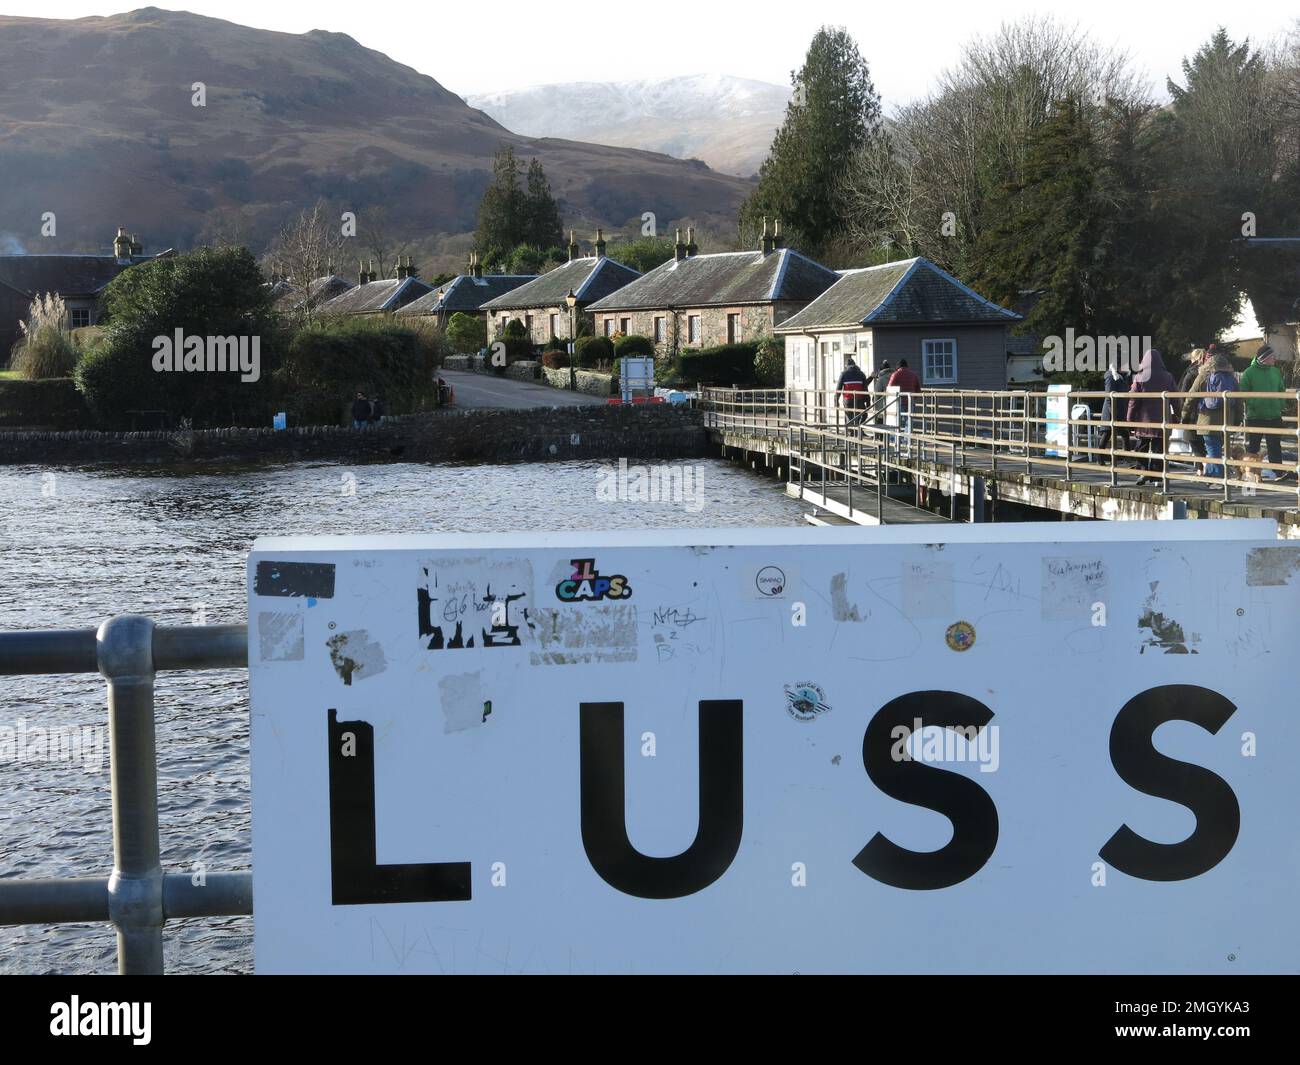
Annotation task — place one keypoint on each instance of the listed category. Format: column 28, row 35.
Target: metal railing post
column 135, row 889
column 880, row 489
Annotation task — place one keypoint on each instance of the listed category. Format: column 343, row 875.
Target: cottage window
column 79, row 317
column 609, row 327
column 555, row 321
column 939, row 362
column 659, row 330
column 693, row 329
column 733, row 329
column 625, row 326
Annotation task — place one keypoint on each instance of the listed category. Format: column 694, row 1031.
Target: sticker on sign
column 1018, row 749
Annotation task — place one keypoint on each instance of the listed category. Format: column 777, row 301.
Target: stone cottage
column 79, row 279
column 949, row 334
column 371, row 296
column 696, row 301
column 541, row 304
column 464, row 294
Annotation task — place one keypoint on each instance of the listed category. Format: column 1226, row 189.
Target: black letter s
column 973, row 815
column 1142, row 767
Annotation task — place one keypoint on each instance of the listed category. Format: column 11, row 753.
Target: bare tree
column 308, row 249
column 923, row 187
column 380, row 238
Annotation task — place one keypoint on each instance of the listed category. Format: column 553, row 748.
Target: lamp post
column 572, row 300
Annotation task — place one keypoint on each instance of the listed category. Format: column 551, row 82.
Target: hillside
column 727, row 122
column 97, row 125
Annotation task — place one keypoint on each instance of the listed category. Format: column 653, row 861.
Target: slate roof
column 68, row 275
column 911, row 292
column 466, row 293
column 724, row 279
column 322, row 288
column 376, row 296
column 589, row 278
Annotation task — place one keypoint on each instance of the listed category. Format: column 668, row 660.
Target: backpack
column 1219, row 381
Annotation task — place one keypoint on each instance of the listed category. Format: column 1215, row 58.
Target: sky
column 506, row 44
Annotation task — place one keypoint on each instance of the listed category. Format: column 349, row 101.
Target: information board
column 988, row 749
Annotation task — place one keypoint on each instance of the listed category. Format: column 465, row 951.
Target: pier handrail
column 1012, row 426
column 137, row 896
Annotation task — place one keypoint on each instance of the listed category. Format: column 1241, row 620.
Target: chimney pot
column 600, row 243
column 691, row 247
column 679, row 249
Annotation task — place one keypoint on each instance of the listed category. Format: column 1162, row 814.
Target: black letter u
column 604, row 820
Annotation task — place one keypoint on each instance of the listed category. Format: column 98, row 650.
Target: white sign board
column 1057, row 423
column 776, row 751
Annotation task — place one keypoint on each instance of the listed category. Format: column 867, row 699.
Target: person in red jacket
column 904, row 378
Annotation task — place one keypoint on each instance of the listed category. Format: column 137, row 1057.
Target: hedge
column 50, row 403
column 724, row 365
column 330, row 361
column 593, row 351
column 634, row 344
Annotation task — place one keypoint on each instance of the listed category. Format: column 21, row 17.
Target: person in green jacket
column 1262, row 375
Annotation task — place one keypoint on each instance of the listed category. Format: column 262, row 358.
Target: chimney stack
column 600, row 243
column 778, row 241
column 371, row 275
column 573, row 247
column 691, row 247
column 122, row 245
column 136, row 247
column 478, row 266
column 411, row 269
column 765, row 244
column 362, row 276
column 679, row 249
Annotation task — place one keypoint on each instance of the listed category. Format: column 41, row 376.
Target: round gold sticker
column 961, row 636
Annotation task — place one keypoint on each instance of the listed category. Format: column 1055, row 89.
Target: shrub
column 466, row 333
column 52, row 403
column 515, row 330
column 769, row 362
column 555, row 360
column 634, row 345
column 208, row 293
column 47, row 348
column 590, row 352
column 724, row 365
column 328, row 362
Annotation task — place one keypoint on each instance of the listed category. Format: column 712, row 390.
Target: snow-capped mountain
column 727, row 122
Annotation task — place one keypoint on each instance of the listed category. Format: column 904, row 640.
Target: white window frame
column 694, row 328
column 73, row 312
column 660, row 329
column 927, row 378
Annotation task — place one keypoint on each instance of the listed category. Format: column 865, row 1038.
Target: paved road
column 481, row 390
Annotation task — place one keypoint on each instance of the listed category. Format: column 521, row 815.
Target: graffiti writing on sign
column 587, row 585
column 457, row 610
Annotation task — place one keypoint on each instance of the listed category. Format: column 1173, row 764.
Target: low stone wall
column 524, row 370
column 594, row 432
column 589, row 382
column 457, row 362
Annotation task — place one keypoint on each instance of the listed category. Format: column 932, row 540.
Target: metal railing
column 1055, row 433
column 137, row 897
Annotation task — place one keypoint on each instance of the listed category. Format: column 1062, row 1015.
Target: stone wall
column 589, row 382
column 755, row 321
column 595, row 432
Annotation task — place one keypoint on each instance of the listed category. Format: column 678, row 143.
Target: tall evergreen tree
column 544, row 228
column 502, row 215
column 510, row 216
column 833, row 114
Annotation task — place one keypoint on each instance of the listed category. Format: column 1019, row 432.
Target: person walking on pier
column 1211, row 411
column 876, row 384
column 1265, row 413
column 908, row 385
column 1116, row 380
column 1155, row 413
column 851, row 391
column 1199, row 367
